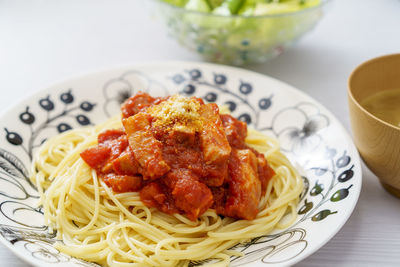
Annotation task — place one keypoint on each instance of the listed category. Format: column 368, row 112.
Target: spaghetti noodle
column 117, row 229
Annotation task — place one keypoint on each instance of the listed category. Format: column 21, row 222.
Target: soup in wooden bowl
column 374, row 106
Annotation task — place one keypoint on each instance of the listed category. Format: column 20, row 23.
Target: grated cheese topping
column 180, row 112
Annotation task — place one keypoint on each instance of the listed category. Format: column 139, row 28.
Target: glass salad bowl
column 238, row 39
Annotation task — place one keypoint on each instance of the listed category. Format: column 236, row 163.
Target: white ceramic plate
column 310, row 135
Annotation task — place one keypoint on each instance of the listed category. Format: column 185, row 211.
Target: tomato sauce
column 182, row 156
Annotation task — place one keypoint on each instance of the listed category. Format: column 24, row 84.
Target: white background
column 45, row 41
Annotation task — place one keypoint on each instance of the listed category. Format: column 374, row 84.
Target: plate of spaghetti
column 173, row 164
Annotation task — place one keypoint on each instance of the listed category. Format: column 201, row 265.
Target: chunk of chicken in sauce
column 146, row 149
column 215, row 145
column 235, row 130
column 139, row 103
column 244, row 185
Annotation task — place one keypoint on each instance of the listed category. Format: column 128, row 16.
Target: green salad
column 239, row 32
column 244, row 7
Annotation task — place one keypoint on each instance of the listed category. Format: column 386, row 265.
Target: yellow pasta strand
column 117, row 229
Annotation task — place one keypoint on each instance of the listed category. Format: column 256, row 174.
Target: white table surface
column 45, row 41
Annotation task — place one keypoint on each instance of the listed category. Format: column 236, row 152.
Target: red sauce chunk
column 183, row 157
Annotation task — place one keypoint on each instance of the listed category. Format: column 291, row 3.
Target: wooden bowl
column 377, row 141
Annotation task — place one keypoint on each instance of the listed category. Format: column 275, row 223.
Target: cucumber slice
column 229, row 7
column 198, row 5
column 214, row 3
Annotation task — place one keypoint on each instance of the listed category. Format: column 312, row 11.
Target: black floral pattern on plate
column 117, row 90
column 301, row 136
column 193, row 82
column 60, row 120
column 56, row 114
